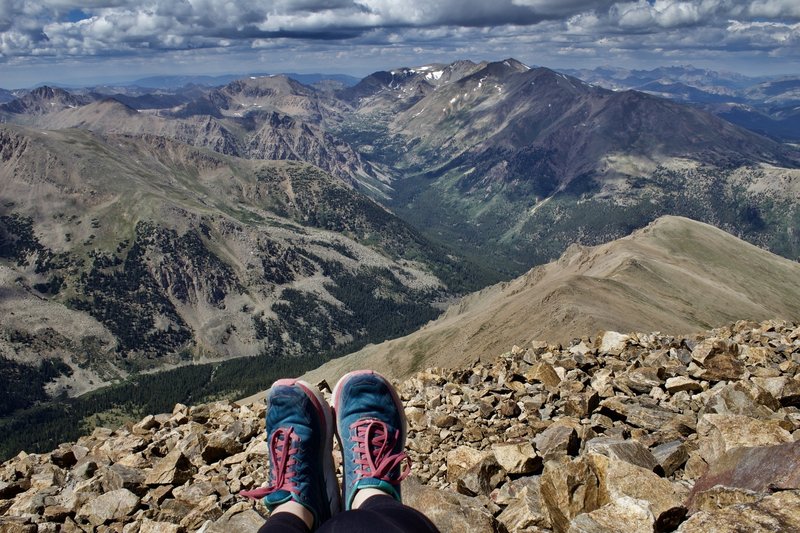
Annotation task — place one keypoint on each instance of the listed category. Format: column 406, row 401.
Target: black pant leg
column 284, row 523
column 381, row 514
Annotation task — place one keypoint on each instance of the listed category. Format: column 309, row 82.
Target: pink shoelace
column 282, row 447
column 372, row 449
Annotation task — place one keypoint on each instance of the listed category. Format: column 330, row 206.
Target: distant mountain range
column 498, row 158
column 769, row 106
column 148, row 229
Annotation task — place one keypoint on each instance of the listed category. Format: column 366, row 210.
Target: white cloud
column 60, row 29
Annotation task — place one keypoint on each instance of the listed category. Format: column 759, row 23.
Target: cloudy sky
column 89, row 41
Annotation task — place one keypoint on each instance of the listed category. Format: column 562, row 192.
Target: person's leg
column 380, row 513
column 302, row 491
column 371, row 427
column 284, row 522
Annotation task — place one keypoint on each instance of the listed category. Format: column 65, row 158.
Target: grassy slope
column 675, row 276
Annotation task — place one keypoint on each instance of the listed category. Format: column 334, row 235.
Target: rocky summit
column 622, row 432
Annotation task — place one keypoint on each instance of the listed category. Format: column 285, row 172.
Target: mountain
column 272, row 117
column 760, row 104
column 676, row 276
column 121, row 253
column 42, row 101
column 516, row 163
column 709, row 81
column 502, row 160
column 6, row 96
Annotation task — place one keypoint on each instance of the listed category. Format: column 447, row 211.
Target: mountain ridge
column 676, row 275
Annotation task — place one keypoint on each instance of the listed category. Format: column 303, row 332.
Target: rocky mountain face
column 259, row 118
column 675, row 276
column 516, row 162
column 660, row 433
column 42, row 101
column 120, row 254
column 505, row 161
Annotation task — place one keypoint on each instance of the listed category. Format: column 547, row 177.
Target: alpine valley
column 193, row 242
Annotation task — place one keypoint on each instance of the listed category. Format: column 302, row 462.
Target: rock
column 221, row 444
column 611, row 342
column 626, row 450
column 150, row 526
column 776, row 512
column 13, row 524
column 205, row 510
column 719, row 496
column 64, row 457
column 118, row 477
column 713, row 346
column 581, row 404
column 240, row 518
column 173, row 511
column 542, row 372
column 556, row 441
column 721, row 433
column 482, row 478
column 643, row 379
column 509, row 408
column 449, row 511
column 758, row 469
column 618, row 479
column 145, row 426
column 462, row 459
column 174, row 469
column 737, row 399
column 568, row 488
column 722, row 366
column 671, row 456
column 784, row 389
column 682, row 383
column 623, row 514
column 518, row 459
column 526, row 511
column 114, row 505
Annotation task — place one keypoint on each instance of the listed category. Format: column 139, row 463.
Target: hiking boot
column 299, row 439
column 371, row 427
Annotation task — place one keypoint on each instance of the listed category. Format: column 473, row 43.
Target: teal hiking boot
column 300, row 441
column 371, row 427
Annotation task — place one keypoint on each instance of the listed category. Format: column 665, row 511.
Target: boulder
column 611, row 342
column 482, row 478
column 109, row 507
column 720, row 433
column 618, row 479
column 568, row 488
column 627, row 450
column 174, row 469
column 518, row 458
column 449, row 511
column 776, row 512
column 556, row 441
column 623, row 514
column 758, row 469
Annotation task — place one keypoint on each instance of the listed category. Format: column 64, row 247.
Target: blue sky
column 114, row 40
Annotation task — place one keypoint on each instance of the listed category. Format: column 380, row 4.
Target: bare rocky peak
column 44, row 100
column 660, row 433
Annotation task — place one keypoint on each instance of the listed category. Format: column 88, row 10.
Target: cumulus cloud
column 99, row 28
